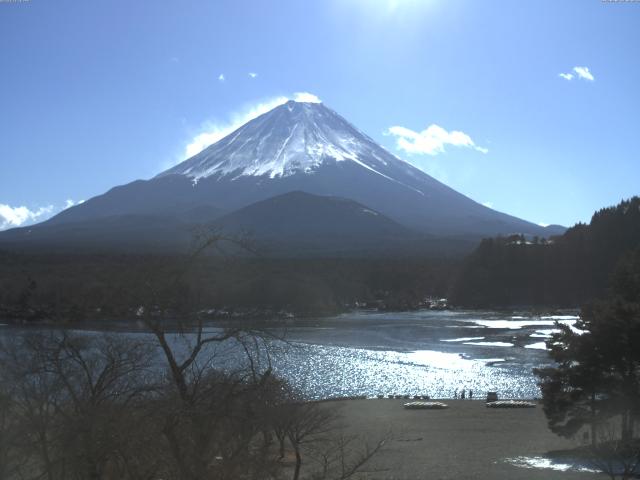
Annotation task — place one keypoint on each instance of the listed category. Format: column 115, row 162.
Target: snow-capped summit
column 296, row 137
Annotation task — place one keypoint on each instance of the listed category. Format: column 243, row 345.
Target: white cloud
column 584, row 73
column 306, row 97
column 16, row 216
column 253, row 74
column 70, row 203
column 214, row 131
column 542, row 224
column 488, row 204
column 432, row 140
column 221, row 77
column 21, row 216
column 578, row 72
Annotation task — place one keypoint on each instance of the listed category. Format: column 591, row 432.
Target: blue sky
column 100, row 93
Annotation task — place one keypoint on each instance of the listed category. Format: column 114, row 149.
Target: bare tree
column 34, row 396
column 308, row 423
column 213, row 406
column 315, row 433
column 71, row 396
column 6, row 416
column 343, row 456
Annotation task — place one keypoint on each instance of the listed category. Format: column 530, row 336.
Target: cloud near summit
column 211, row 132
column 306, row 97
column 431, row 141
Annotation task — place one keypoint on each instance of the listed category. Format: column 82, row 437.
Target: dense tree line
column 567, row 270
column 63, row 288
column 506, row 271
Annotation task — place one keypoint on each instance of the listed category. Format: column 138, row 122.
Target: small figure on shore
column 455, row 394
column 462, row 394
column 470, row 394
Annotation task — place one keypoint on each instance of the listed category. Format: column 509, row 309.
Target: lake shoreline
column 266, row 319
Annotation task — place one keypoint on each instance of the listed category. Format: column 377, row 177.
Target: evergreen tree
column 596, row 377
column 564, row 271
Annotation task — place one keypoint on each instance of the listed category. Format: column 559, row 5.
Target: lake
column 435, row 353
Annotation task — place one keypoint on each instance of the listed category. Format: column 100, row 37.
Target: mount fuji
column 296, row 147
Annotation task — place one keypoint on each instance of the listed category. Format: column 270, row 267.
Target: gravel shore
column 465, row 441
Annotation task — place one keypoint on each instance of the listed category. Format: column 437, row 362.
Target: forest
column 503, row 272
column 564, row 271
column 68, row 288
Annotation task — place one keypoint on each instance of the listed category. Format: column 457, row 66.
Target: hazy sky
column 532, row 108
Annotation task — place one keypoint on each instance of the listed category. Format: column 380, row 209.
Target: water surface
column 435, row 353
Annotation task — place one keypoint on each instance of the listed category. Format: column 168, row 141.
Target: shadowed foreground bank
column 466, row 441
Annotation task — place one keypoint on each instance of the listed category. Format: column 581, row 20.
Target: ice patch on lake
column 560, row 317
column 513, row 324
column 462, row 339
column 490, row 344
column 544, row 333
column 537, row 346
column 519, row 324
column 548, row 464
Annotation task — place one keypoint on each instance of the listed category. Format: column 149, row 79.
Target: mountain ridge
column 298, row 222
column 303, row 147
